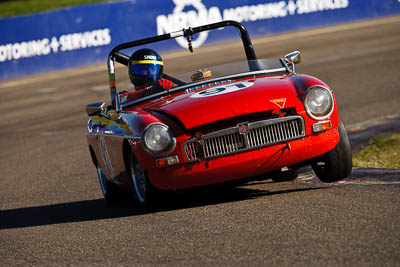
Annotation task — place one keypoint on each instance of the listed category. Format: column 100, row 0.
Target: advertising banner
column 82, row 35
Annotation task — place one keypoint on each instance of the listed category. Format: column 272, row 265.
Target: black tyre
column 284, row 176
column 110, row 190
column 336, row 164
column 143, row 190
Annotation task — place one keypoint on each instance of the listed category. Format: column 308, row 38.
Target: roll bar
column 115, row 55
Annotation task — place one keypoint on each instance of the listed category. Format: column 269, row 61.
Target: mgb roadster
column 215, row 125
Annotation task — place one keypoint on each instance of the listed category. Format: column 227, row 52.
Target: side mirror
column 95, row 108
column 293, row 58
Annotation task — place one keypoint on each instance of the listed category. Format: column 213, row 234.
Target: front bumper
column 242, row 165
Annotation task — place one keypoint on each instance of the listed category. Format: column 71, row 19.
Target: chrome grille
column 235, row 139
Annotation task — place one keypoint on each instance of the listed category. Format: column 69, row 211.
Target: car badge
column 243, row 128
column 279, row 102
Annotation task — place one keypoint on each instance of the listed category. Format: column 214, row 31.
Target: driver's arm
column 158, row 86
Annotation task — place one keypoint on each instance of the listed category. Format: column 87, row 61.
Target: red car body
column 223, row 129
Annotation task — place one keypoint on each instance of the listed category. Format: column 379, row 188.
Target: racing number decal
column 212, row 91
column 106, row 156
column 223, row 89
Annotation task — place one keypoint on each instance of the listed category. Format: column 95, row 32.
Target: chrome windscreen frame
column 211, row 82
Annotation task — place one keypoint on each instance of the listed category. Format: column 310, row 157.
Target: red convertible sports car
column 217, row 124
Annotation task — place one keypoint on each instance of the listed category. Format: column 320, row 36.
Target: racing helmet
column 145, row 66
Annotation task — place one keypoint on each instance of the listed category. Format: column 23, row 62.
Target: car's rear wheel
column 143, row 190
column 336, row 164
column 110, row 190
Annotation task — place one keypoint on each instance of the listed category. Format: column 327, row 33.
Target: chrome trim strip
column 113, row 135
column 223, row 132
column 260, row 134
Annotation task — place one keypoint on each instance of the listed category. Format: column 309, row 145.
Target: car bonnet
column 214, row 103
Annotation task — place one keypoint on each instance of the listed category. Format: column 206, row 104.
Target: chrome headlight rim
column 309, row 113
column 164, row 152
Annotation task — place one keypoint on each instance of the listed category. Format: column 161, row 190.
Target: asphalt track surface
column 52, row 211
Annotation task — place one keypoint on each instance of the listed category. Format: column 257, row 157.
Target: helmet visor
column 150, row 69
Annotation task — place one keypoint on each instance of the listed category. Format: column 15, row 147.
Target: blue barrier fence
column 82, row 35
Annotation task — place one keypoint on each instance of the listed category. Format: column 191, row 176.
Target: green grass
column 381, row 153
column 10, row 8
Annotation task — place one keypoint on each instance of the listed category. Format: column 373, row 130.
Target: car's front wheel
column 143, row 190
column 110, row 191
column 336, row 164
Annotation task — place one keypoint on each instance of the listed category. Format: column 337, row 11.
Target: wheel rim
column 139, row 182
column 102, row 180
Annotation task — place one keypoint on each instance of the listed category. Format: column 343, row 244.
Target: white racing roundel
column 223, row 89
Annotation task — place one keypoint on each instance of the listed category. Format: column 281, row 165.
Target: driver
column 145, row 71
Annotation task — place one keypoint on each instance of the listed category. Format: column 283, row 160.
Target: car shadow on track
column 98, row 209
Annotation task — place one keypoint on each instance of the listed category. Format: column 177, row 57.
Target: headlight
column 318, row 102
column 157, row 139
